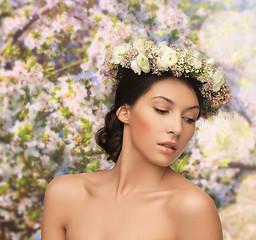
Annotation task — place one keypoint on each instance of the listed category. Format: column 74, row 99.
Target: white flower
column 143, row 63
column 168, row 59
column 210, row 61
column 163, row 47
column 118, row 53
column 196, row 60
column 159, row 65
column 135, row 67
column 139, row 45
column 218, row 79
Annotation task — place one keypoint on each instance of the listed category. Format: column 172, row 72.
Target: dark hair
column 129, row 88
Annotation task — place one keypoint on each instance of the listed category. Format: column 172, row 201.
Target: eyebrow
column 172, row 102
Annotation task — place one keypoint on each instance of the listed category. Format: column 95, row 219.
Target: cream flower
column 196, row 60
column 144, row 55
column 139, row 45
column 143, row 63
column 167, row 60
column 159, row 65
column 218, row 79
column 163, row 47
column 135, row 67
column 118, row 53
column 210, row 61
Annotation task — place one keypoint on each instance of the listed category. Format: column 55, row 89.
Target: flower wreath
column 145, row 56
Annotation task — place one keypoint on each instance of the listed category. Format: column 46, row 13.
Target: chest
column 135, row 218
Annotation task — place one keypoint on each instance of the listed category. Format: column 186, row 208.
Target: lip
column 166, row 149
column 171, row 144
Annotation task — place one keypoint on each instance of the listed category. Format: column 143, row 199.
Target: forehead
column 175, row 89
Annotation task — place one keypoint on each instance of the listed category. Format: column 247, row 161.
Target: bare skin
column 141, row 198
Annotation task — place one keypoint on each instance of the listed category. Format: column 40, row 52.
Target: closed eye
column 189, row 120
column 161, row 111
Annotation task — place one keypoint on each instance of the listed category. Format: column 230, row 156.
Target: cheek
column 142, row 126
column 189, row 133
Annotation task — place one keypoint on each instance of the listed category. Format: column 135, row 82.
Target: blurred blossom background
column 54, row 95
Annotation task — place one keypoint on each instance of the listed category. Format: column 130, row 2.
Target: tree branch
column 242, row 166
column 21, row 30
column 8, row 209
column 67, row 67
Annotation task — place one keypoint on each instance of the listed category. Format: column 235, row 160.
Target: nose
column 175, row 125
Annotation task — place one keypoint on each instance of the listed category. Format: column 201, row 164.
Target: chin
column 163, row 163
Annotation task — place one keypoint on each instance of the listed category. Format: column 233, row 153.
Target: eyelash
column 188, row 120
column 161, row 111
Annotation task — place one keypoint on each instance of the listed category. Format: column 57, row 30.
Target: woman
column 161, row 93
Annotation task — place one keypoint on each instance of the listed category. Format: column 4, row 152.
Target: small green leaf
column 4, row 188
column 25, row 132
column 11, row 50
column 194, row 37
column 86, row 123
column 134, row 5
column 57, row 156
column 181, row 165
column 31, row 63
column 93, row 166
column 71, row 90
column 24, row 112
column 33, row 214
column 153, row 6
column 65, row 112
column 98, row 18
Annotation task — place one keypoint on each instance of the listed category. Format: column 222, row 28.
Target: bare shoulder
column 60, row 197
column 65, row 185
column 66, row 189
column 195, row 213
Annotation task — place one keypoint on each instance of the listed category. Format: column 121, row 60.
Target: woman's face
column 166, row 114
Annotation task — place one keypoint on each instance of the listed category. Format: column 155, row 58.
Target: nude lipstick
column 168, row 147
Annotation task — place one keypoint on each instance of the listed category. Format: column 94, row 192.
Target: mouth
column 169, row 146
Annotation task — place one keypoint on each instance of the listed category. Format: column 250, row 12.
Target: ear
column 122, row 113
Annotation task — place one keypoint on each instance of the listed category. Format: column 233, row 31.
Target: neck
column 134, row 174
